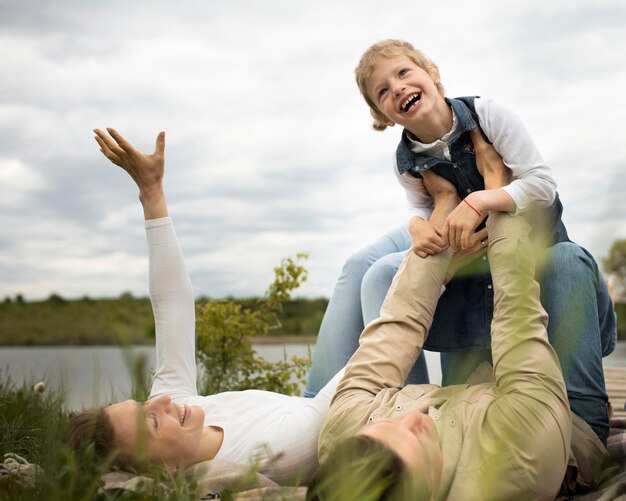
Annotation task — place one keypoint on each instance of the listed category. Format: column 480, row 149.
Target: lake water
column 97, row 375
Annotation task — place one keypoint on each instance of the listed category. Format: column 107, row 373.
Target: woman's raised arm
column 171, row 292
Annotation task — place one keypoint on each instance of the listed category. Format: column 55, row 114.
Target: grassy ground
column 32, row 425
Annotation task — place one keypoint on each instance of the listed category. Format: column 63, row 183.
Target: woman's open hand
column 146, row 169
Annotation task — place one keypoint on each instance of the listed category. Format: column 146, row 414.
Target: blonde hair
column 388, row 48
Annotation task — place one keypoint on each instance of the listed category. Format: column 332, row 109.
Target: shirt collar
column 448, row 137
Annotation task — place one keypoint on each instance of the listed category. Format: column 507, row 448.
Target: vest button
column 468, row 190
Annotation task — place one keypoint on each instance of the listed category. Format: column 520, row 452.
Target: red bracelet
column 473, row 208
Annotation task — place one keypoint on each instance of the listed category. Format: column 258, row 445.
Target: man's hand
column 426, row 237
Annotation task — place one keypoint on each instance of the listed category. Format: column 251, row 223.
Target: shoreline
column 265, row 340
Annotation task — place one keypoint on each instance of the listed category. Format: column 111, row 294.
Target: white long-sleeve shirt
column 253, row 421
column 533, row 186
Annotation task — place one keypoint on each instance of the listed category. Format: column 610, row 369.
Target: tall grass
column 33, row 425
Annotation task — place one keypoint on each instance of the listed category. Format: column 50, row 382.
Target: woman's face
column 159, row 430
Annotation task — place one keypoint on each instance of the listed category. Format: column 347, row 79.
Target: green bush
column 225, row 331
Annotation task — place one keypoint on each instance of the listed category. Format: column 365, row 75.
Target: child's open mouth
column 410, row 102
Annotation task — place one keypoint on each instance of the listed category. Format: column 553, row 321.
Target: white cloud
column 18, row 180
column 269, row 150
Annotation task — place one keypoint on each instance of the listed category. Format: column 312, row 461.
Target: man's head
column 368, row 77
column 131, row 434
column 391, row 459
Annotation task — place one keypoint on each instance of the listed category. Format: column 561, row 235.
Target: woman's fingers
column 106, row 151
column 119, row 139
column 159, row 147
column 110, row 144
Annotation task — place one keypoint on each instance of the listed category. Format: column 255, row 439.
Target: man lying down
column 511, row 438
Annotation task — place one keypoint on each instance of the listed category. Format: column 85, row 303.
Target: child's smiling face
column 405, row 93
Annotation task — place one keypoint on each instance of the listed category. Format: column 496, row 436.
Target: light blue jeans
column 582, row 325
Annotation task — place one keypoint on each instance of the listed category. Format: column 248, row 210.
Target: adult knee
column 379, row 276
column 569, row 261
column 356, row 266
column 376, row 283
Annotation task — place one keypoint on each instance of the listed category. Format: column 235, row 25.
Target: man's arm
column 530, row 417
column 390, row 345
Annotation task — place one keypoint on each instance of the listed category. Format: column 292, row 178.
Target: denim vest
column 462, row 320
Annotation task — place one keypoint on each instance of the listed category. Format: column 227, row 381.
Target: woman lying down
column 176, row 427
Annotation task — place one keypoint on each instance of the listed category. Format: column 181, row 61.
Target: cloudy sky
column 269, row 150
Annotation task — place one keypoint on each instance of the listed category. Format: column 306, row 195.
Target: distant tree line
column 125, row 319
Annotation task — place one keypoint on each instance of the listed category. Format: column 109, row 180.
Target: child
column 402, row 87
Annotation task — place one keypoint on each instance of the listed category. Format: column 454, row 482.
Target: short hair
column 387, row 48
column 364, row 469
column 94, row 426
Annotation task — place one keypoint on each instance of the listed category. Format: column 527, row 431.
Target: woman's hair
column 361, row 468
column 388, row 48
column 94, row 427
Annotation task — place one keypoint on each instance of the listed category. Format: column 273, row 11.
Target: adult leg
column 342, row 325
column 374, row 287
column 581, row 328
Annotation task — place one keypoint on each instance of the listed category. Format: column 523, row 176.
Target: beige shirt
column 509, row 439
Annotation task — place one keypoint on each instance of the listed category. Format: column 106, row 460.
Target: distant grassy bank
column 127, row 319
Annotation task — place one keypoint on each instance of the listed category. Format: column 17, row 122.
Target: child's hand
column 462, row 221
column 427, row 238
